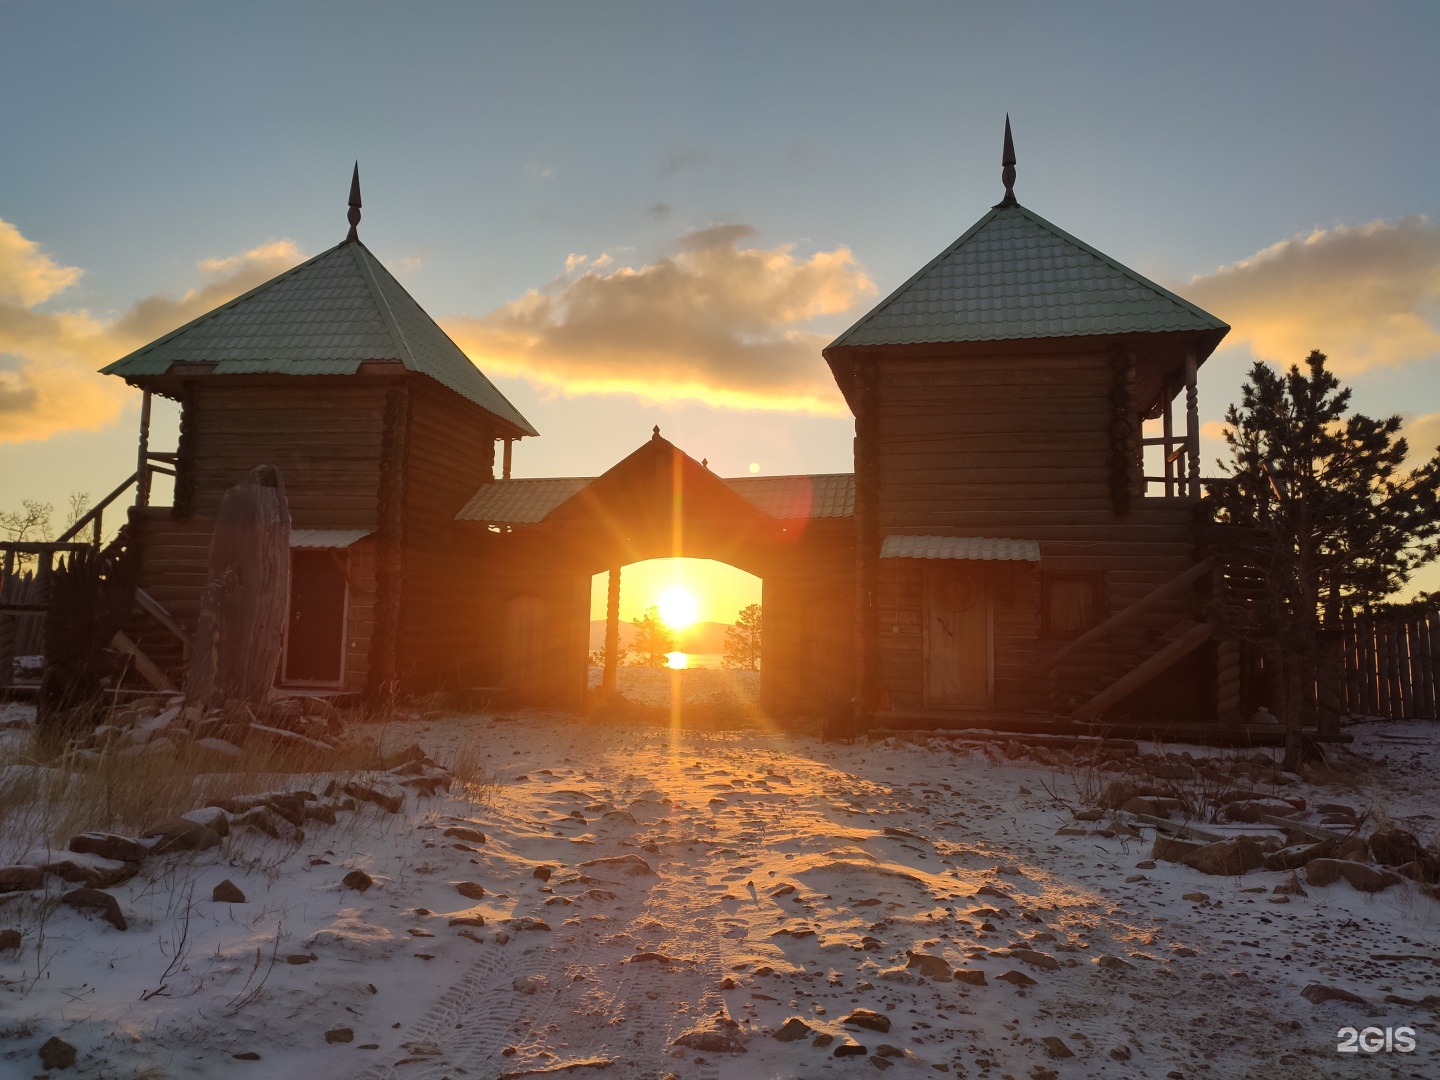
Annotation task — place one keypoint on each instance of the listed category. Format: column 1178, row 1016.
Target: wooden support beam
column 1139, row 607
column 143, row 664
column 142, row 469
column 156, row 611
column 1138, row 676
column 1192, row 423
column 1169, row 438
column 612, row 629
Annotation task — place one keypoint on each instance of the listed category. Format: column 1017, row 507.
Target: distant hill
column 701, row 637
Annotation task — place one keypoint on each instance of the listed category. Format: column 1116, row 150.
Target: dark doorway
column 315, row 629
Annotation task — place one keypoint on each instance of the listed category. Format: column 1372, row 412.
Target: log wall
column 450, row 453
column 1027, row 447
column 323, row 435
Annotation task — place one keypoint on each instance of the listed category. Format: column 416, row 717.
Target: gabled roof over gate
column 785, row 498
column 324, row 317
column 658, row 483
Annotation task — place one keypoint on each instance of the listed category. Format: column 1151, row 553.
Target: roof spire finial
column 354, row 215
column 1007, row 172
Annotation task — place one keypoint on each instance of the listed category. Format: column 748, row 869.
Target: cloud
column 716, row 322
column 1422, row 433
column 48, row 358
column 27, row 275
column 1365, row 295
column 682, row 158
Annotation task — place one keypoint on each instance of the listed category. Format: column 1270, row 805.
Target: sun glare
column 678, row 607
column 677, row 661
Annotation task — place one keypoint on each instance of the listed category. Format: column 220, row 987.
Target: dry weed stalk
column 124, row 789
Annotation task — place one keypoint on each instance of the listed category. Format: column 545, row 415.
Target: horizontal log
column 1019, row 426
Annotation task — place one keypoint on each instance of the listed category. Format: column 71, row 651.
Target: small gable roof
column 786, row 498
column 650, row 484
column 1014, row 275
column 323, row 317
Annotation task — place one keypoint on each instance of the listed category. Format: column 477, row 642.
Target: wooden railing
column 24, row 597
column 1184, row 639
column 94, row 518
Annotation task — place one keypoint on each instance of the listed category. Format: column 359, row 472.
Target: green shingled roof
column 323, row 317
column 1014, row 275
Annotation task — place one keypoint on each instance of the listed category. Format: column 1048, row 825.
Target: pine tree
column 653, row 639
column 1332, row 521
column 742, row 640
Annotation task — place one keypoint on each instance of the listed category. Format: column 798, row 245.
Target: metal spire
column 354, row 215
column 1007, row 173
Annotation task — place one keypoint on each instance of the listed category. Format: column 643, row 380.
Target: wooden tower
column 381, row 428
column 1005, row 528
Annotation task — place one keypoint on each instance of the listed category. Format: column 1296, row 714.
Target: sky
column 633, row 214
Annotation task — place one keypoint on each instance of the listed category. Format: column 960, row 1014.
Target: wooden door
column 957, row 637
column 524, row 658
column 315, row 625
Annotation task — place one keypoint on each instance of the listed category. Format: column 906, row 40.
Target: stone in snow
column 109, row 846
column 1318, row 994
column 869, row 1019
column 792, row 1030
column 935, row 968
column 95, row 900
column 227, row 892
column 358, row 880
column 1056, row 1048
column 56, row 1053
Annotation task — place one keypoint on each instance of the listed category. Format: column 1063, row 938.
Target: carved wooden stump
column 241, row 628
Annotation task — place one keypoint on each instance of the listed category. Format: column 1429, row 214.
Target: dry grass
column 467, row 765
column 46, row 799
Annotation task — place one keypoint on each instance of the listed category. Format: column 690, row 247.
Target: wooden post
column 612, row 622
column 1402, row 669
column 142, row 466
column 1169, row 433
column 867, row 545
column 8, row 622
column 505, row 467
column 1192, row 424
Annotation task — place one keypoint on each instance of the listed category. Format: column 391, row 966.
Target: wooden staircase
column 27, row 595
column 1161, row 653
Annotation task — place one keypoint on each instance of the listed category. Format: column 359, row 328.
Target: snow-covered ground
column 643, row 885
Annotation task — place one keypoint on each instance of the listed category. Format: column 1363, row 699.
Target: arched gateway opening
column 537, row 546
column 683, row 614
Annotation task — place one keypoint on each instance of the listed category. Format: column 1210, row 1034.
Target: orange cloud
column 48, row 359
column 1365, row 295
column 715, row 322
column 1422, row 433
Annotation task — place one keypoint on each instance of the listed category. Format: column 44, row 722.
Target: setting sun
column 678, row 607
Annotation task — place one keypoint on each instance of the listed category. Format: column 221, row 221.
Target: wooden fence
column 1389, row 666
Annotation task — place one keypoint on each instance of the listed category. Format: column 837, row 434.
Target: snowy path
column 781, row 877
